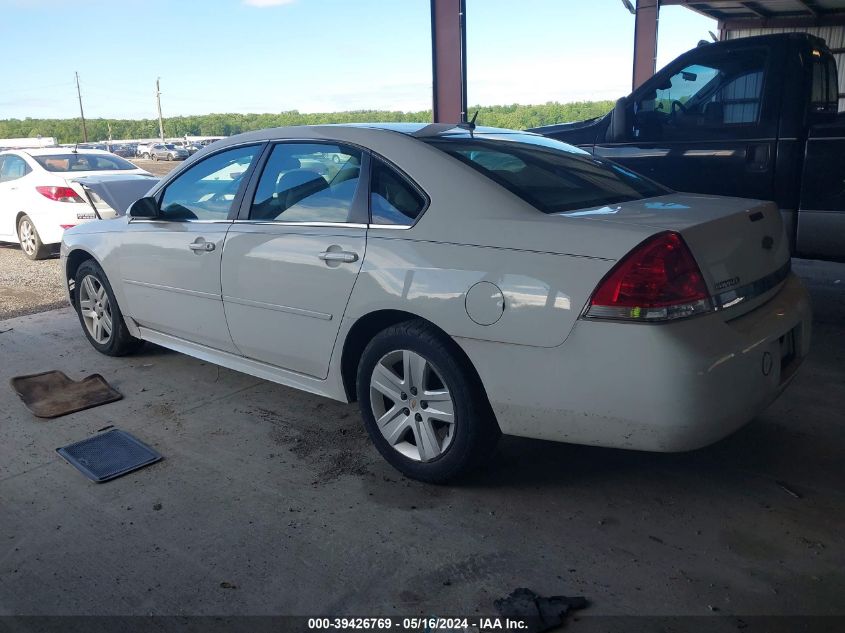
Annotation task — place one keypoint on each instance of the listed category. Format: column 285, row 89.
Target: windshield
column 548, row 174
column 83, row 162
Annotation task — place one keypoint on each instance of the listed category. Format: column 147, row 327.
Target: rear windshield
column 548, row 174
column 83, row 162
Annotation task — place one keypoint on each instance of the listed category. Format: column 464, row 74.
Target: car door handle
column 339, row 256
column 202, row 246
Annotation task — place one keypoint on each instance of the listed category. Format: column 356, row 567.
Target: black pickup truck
column 755, row 117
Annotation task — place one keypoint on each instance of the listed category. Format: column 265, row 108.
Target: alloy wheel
column 27, row 236
column 95, row 308
column 412, row 405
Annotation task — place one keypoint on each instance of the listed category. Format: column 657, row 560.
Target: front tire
column 30, row 241
column 170, row 157
column 154, row 157
column 423, row 408
column 99, row 314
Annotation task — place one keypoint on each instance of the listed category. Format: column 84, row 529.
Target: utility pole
column 158, row 104
column 81, row 113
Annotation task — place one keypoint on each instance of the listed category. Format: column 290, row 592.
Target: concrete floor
column 271, row 501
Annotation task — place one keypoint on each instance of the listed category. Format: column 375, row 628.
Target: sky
column 310, row 55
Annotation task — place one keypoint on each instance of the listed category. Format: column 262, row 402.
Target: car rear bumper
column 668, row 387
column 51, row 222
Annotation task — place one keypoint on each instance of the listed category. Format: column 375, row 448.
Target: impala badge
column 768, row 242
column 727, row 283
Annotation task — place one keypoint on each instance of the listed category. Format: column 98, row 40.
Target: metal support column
column 449, row 61
column 645, row 40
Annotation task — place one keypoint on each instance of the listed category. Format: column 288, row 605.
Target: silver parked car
column 167, row 151
column 459, row 283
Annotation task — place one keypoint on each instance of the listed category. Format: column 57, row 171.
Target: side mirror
column 617, row 131
column 144, row 208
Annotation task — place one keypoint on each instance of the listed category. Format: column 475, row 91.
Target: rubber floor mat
column 52, row 394
column 109, row 455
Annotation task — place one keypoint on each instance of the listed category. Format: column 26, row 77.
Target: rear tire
column 30, row 241
column 99, row 314
column 424, row 409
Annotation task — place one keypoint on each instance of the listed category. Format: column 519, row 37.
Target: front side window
column 208, row 190
column 393, row 200
column 307, row 182
column 82, row 162
column 12, row 167
column 701, row 98
column 551, row 176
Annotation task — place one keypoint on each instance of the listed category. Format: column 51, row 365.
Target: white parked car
column 458, row 283
column 45, row 191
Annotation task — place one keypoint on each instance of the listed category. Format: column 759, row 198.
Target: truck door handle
column 346, row 257
column 201, row 246
column 757, row 156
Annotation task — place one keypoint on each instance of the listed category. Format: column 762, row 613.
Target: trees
column 514, row 116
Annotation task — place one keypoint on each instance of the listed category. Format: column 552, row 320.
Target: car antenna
column 469, row 125
column 75, row 148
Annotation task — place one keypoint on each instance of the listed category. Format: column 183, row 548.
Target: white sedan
column 459, row 283
column 45, row 191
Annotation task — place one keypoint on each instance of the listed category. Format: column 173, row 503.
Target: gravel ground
column 26, row 286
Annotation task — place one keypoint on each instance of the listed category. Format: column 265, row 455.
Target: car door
column 170, row 264
column 703, row 126
column 12, row 169
column 292, row 257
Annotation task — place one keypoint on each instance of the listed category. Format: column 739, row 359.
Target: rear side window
column 393, row 200
column 551, row 176
column 12, row 167
column 825, row 87
column 307, row 182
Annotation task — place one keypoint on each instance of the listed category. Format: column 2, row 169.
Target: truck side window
column 702, row 99
column 824, row 95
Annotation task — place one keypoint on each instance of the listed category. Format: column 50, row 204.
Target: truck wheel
column 30, row 240
column 423, row 408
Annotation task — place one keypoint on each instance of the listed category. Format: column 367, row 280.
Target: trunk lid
column 111, row 194
column 740, row 245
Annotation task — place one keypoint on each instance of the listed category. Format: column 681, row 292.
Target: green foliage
column 514, row 116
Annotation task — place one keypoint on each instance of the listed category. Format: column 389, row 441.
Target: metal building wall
column 833, row 35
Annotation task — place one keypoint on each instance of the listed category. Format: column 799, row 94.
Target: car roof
column 415, row 130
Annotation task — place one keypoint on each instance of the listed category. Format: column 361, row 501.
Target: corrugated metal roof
column 763, row 9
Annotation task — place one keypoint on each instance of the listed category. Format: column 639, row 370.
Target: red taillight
column 657, row 281
column 59, row 194
column 67, row 226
